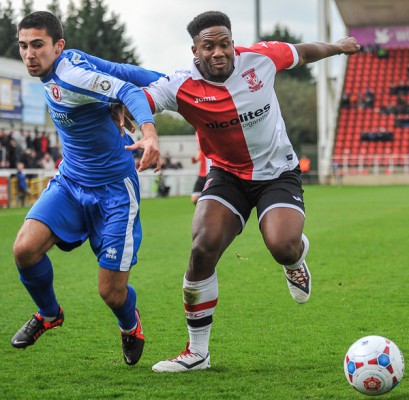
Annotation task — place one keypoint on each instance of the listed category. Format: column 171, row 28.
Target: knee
column 113, row 297
column 33, row 240
column 199, row 250
column 205, row 251
column 24, row 254
column 203, row 260
column 286, row 252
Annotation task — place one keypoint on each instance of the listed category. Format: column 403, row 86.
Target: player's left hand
column 118, row 113
column 150, row 146
column 348, row 45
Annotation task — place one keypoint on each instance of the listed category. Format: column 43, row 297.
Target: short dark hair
column 43, row 20
column 207, row 20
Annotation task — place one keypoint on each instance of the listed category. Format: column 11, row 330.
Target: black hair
column 43, row 20
column 207, row 20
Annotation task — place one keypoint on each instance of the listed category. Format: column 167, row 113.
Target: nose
column 30, row 52
column 218, row 52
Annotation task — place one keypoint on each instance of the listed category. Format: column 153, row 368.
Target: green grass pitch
column 263, row 344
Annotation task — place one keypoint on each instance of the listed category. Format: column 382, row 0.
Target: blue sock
column 38, row 280
column 126, row 313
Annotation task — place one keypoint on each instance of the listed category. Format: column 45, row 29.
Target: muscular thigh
column 282, row 225
column 285, row 191
column 280, row 209
column 214, row 228
column 214, row 225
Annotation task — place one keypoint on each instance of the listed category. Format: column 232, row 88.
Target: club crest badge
column 105, row 85
column 56, row 92
column 252, row 80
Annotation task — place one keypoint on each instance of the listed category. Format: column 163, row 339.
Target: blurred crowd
column 359, row 100
column 40, row 149
column 32, row 148
column 367, row 100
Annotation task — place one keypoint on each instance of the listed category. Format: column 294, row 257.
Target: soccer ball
column 374, row 365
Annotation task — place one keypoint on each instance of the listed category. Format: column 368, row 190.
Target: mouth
column 32, row 67
column 220, row 65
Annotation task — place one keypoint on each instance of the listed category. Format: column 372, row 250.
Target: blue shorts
column 107, row 215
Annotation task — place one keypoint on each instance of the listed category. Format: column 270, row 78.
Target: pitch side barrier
column 180, row 183
column 370, row 169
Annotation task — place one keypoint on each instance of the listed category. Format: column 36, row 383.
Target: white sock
column 199, row 339
column 128, row 331
column 200, row 300
column 49, row 319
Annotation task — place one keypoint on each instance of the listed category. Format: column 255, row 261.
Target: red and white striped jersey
column 239, row 122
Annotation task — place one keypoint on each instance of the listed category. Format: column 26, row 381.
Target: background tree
column 171, row 124
column 281, row 34
column 90, row 29
column 296, row 92
column 87, row 27
column 54, row 7
column 27, row 7
column 298, row 104
column 71, row 26
column 8, row 35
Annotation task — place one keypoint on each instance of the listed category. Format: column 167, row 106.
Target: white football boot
column 184, row 362
column 299, row 282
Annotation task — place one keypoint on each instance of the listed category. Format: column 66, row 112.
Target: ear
column 194, row 50
column 59, row 46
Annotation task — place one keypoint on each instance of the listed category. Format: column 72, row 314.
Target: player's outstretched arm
column 311, row 52
column 126, row 72
column 150, row 146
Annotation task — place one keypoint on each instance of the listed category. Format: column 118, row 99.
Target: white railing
column 366, row 164
column 180, row 181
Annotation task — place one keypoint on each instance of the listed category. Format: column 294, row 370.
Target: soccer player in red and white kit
column 228, row 96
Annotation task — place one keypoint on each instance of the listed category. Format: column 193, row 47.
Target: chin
column 33, row 73
column 220, row 77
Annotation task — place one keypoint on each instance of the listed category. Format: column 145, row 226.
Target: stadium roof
column 372, row 13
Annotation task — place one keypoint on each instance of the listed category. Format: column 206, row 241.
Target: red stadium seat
column 354, row 121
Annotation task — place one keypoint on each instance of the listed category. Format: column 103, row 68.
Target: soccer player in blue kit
column 95, row 194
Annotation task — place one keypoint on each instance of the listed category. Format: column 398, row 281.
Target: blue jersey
column 79, row 91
